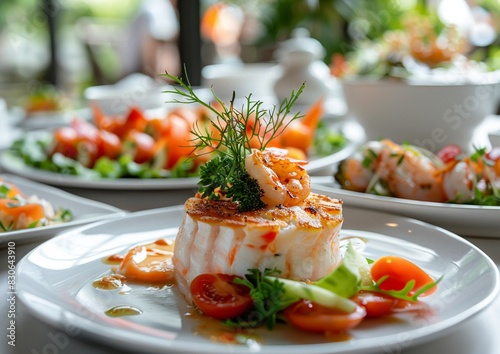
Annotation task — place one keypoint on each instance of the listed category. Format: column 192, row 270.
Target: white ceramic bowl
column 244, row 79
column 426, row 115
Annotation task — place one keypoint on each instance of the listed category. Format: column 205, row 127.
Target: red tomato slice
column 110, row 144
column 85, row 131
column 400, row 271
column 88, row 152
column 312, row 317
column 143, row 146
column 217, row 296
column 179, row 143
column 103, row 121
column 158, row 127
column 375, row 304
column 449, row 152
column 135, row 121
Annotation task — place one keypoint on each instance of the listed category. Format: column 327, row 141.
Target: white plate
column 55, row 282
column 15, row 165
column 53, row 119
column 465, row 220
column 84, row 210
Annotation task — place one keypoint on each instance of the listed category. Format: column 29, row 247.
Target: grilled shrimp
column 411, row 173
column 386, row 168
column 282, row 180
column 458, row 183
column 356, row 172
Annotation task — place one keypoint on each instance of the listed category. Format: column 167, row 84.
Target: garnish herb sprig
column 229, row 133
column 268, row 296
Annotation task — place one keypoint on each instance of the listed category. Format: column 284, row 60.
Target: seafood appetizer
column 405, row 171
column 294, row 233
column 18, row 211
column 256, row 246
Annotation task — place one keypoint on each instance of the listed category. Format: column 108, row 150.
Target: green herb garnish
column 7, row 228
column 268, row 296
column 230, row 133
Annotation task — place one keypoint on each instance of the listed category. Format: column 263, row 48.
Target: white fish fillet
column 301, row 241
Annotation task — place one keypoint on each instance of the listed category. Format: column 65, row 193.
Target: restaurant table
column 479, row 334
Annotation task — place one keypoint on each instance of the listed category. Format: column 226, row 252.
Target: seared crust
column 315, row 212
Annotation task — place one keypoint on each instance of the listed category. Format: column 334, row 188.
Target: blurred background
column 61, row 47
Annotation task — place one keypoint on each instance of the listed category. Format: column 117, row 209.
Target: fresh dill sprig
column 230, row 133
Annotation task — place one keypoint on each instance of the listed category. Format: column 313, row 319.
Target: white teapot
column 301, row 61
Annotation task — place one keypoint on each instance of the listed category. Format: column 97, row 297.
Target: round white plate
column 84, row 210
column 463, row 219
column 15, row 165
column 55, row 282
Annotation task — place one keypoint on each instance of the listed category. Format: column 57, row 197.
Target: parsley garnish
column 268, row 297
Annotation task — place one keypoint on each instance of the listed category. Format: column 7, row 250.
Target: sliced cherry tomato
column 312, row 317
column 158, row 127
column 375, row 304
column 110, row 144
column 449, row 152
column 149, row 263
column 142, row 145
column 135, row 120
column 65, row 140
column 217, row 296
column 400, row 271
column 179, row 143
column 418, row 307
column 85, row 130
column 88, row 152
column 103, row 121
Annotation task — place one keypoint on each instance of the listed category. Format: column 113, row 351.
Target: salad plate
column 83, row 210
column 15, row 165
column 462, row 219
column 55, row 283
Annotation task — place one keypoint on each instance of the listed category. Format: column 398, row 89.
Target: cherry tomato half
column 400, row 271
column 110, row 144
column 217, row 296
column 312, row 317
column 375, row 304
column 449, row 152
column 142, row 144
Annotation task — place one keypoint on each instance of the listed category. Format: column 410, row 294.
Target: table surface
column 479, row 334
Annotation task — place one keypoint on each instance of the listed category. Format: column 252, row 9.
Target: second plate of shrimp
column 455, row 190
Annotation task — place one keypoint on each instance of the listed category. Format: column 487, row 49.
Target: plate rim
column 439, row 214
column 425, row 334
